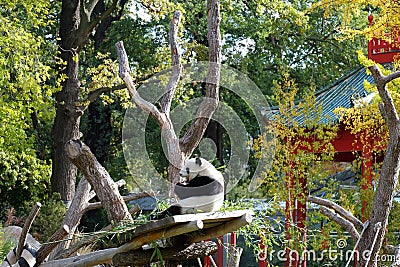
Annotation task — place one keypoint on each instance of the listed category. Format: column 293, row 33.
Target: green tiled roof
column 341, row 93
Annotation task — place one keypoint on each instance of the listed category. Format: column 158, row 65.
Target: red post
column 262, row 258
column 207, row 261
column 232, row 240
column 220, row 252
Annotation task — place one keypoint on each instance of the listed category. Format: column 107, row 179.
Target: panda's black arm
column 198, row 181
column 199, row 186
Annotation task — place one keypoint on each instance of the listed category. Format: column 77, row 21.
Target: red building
column 344, row 93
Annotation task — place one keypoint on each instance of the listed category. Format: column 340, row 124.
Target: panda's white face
column 192, row 168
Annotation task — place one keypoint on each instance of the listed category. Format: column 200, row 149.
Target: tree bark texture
column 206, row 109
column 100, row 180
column 74, row 214
column 76, row 24
column 67, row 119
column 388, row 177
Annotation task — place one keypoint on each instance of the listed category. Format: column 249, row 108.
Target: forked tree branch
column 341, row 221
column 342, row 212
column 127, row 78
column 176, row 63
column 390, row 114
column 206, row 109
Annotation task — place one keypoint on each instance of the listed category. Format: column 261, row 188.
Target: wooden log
column 341, row 221
column 99, row 179
column 344, row 213
column 74, row 214
column 106, row 255
column 176, row 253
column 46, row 249
column 222, row 229
column 27, row 226
column 93, row 239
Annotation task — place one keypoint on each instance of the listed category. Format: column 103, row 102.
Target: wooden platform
column 208, row 220
column 192, row 227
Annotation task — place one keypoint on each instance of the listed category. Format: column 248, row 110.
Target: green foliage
column 23, row 178
column 302, row 155
column 49, row 218
column 25, row 100
column 6, row 245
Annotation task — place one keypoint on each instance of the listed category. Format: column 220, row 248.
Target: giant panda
column 202, row 188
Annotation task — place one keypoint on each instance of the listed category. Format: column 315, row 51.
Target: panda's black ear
column 198, row 160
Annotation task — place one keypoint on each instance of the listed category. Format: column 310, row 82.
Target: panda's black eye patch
column 187, row 170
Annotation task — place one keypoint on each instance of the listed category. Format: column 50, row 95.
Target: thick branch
column 176, row 253
column 74, row 213
column 46, row 249
column 26, row 228
column 389, row 107
column 206, row 109
column 99, row 179
column 342, row 222
column 176, row 63
column 126, row 77
column 344, row 213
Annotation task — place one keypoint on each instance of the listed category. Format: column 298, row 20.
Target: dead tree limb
column 25, row 230
column 176, row 253
column 99, row 179
column 180, row 149
column 192, row 137
column 74, row 214
column 344, row 213
column 341, row 221
column 46, row 249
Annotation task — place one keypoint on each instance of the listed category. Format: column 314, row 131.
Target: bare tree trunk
column 372, row 234
column 77, row 22
column 67, row 120
column 372, row 240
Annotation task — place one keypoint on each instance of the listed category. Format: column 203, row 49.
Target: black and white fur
column 202, row 189
column 27, row 259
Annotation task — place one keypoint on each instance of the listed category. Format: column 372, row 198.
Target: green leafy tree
column 26, row 104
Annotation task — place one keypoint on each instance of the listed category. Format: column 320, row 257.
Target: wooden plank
column 206, row 217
